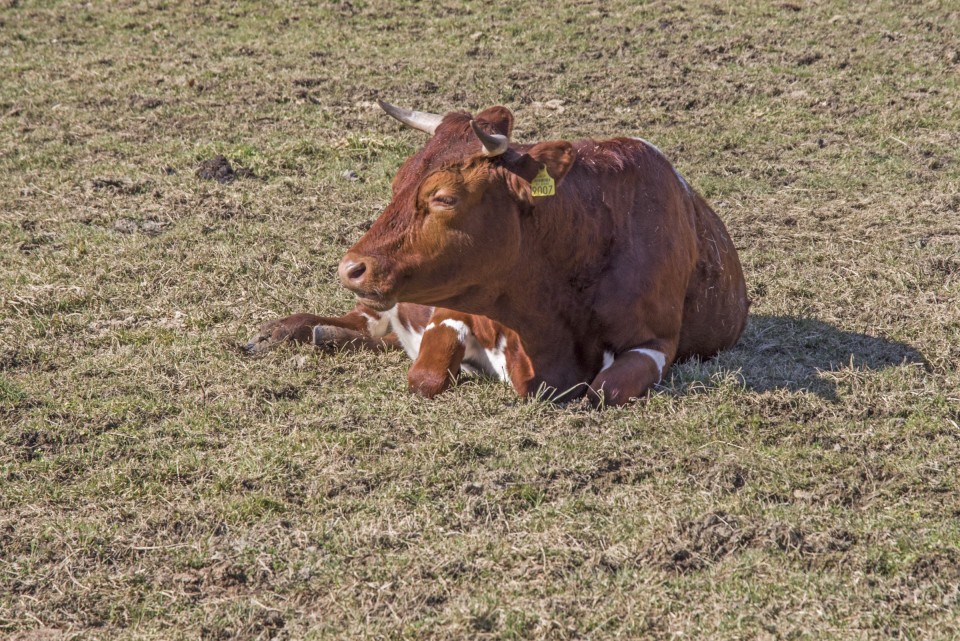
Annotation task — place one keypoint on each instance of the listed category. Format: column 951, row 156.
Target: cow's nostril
column 356, row 271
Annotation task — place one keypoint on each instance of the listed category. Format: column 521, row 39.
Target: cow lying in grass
column 600, row 258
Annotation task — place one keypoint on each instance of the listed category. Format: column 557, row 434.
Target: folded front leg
column 361, row 328
column 628, row 375
column 441, row 354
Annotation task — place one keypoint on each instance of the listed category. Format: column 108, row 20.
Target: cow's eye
column 443, row 200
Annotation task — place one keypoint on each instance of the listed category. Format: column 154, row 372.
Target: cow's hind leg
column 352, row 330
column 628, row 376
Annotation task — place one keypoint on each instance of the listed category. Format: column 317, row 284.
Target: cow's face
column 452, row 230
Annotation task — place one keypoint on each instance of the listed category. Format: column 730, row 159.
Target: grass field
column 155, row 483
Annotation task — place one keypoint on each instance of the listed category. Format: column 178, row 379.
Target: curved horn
column 425, row 122
column 493, row 144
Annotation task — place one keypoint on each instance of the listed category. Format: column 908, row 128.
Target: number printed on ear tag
column 543, row 184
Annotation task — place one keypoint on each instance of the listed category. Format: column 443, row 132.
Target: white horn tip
column 425, row 122
column 493, row 144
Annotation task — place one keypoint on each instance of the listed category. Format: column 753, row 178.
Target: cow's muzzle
column 362, row 276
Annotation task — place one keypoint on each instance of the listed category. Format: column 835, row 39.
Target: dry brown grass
column 156, row 484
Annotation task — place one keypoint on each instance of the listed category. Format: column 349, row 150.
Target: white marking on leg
column 477, row 358
column 497, row 359
column 410, row 338
column 659, row 358
column 459, row 327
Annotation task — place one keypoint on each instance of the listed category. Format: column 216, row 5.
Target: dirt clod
column 107, row 183
column 218, row 168
column 143, row 103
column 126, row 226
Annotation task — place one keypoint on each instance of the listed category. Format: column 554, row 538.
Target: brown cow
column 600, row 258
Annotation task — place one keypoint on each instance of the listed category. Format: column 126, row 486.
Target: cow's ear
column 499, row 119
column 556, row 155
column 540, row 169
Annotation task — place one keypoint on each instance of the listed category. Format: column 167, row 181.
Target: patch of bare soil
column 695, row 544
column 144, row 103
column 218, row 168
column 226, row 580
column 699, row 543
column 942, row 566
column 16, row 357
column 263, row 624
column 705, row 471
column 120, row 186
column 931, row 584
column 793, row 539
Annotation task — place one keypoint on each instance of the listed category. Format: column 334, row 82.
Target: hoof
column 320, row 335
column 271, row 334
column 259, row 344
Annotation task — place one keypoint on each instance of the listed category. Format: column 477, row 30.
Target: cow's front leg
column 628, row 376
column 350, row 330
column 441, row 354
column 297, row 328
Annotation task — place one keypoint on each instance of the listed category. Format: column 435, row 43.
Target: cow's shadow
column 791, row 353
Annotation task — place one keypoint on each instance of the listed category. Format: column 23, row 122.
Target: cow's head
column 452, row 230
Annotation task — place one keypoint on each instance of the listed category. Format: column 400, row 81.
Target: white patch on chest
column 408, row 337
column 378, row 326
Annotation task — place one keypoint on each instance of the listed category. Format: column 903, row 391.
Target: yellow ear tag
column 543, row 184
